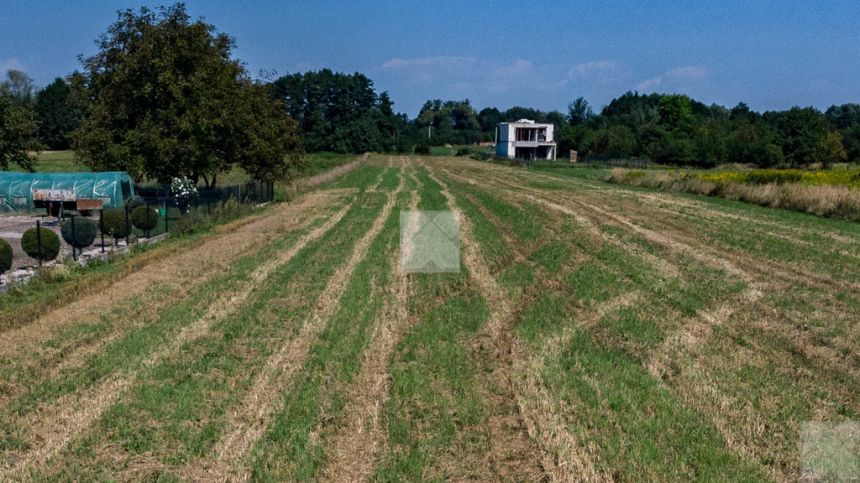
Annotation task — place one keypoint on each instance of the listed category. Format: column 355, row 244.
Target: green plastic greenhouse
column 114, row 188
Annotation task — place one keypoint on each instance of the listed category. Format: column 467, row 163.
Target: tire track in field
column 704, row 208
column 513, row 455
column 666, row 268
column 789, row 272
column 543, row 415
column 549, row 411
column 328, row 176
column 700, row 328
column 54, row 426
column 753, row 273
column 249, row 421
column 356, row 446
column 759, row 280
column 379, row 177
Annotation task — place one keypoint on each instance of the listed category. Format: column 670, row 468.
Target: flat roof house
column 525, row 139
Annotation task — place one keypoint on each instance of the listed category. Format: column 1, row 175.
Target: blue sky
column 771, row 55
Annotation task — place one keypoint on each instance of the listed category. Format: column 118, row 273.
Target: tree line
column 164, row 97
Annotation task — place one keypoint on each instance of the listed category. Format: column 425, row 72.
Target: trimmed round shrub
column 114, row 223
column 5, row 256
column 144, row 217
column 50, row 246
column 83, row 235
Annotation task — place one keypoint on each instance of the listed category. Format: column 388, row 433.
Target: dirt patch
column 53, row 426
column 250, row 419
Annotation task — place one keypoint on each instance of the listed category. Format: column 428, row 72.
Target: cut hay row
column 248, row 421
column 512, row 454
column 355, row 447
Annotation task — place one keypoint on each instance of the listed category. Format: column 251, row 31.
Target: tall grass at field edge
column 774, row 191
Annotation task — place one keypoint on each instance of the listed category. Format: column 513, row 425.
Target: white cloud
column 679, row 77
column 398, row 63
column 504, row 82
column 649, row 84
column 460, row 74
column 689, row 72
column 586, row 68
column 518, row 67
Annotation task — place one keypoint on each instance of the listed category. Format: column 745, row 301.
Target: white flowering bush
column 183, row 190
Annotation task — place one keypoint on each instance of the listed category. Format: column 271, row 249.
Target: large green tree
column 18, row 87
column 801, row 132
column 165, row 98
column 339, row 112
column 18, row 130
column 57, row 117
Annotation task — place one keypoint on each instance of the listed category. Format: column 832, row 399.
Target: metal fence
column 169, row 214
column 258, row 191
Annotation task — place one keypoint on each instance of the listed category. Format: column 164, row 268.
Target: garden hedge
column 50, row 244
column 144, row 217
column 83, row 235
column 114, row 223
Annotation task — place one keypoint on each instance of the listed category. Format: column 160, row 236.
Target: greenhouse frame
column 114, row 188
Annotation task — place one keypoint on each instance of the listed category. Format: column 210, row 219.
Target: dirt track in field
column 790, row 320
column 657, row 218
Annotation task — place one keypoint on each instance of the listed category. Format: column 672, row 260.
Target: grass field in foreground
column 594, row 331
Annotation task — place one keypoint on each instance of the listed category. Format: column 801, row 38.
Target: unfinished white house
column 525, row 139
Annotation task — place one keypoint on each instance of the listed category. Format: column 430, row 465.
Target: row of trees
column 669, row 129
column 163, row 98
column 341, row 112
column 674, row 129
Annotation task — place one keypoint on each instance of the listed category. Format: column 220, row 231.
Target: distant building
column 525, row 139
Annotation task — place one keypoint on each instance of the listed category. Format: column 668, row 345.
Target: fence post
column 74, row 239
column 147, row 219
column 102, row 227
column 127, row 229
column 39, row 240
column 165, row 217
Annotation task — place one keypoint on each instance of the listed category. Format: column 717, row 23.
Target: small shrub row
column 41, row 244
column 44, row 245
column 79, row 232
column 144, row 217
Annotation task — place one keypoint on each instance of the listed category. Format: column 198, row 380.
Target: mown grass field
column 594, row 332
